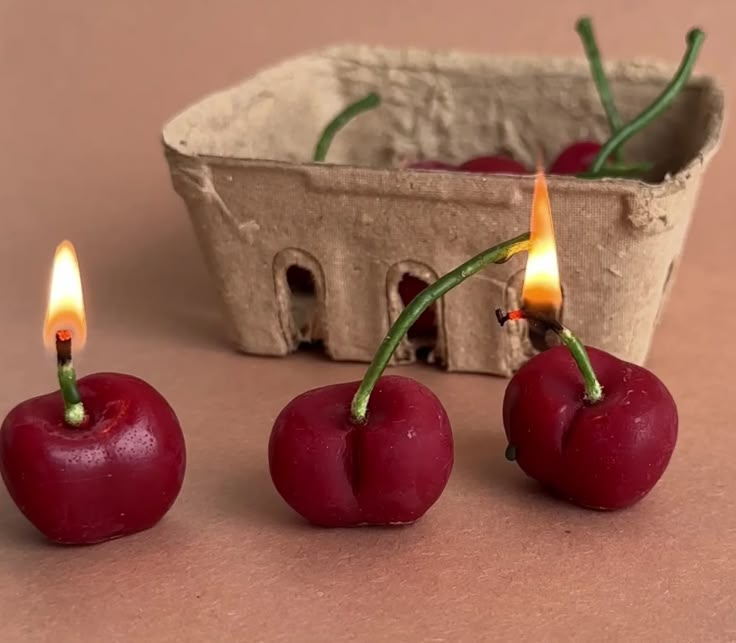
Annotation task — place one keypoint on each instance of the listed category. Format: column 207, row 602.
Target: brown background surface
column 85, row 89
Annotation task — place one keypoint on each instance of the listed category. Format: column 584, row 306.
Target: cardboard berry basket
column 264, row 213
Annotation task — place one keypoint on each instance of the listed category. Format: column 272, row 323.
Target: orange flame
column 65, row 308
column 542, row 292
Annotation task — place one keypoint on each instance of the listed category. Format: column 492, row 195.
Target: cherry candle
column 101, row 458
column 591, row 428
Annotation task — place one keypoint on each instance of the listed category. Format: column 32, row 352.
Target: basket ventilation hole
column 304, row 307
column 423, row 334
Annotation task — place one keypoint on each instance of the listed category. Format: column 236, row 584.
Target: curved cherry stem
column 366, row 103
column 695, row 38
column 584, row 27
column 497, row 254
column 593, row 388
column 74, row 412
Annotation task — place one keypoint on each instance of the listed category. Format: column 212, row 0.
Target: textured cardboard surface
column 240, row 160
column 493, row 561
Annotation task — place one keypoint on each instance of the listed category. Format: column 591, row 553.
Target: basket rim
column 322, row 175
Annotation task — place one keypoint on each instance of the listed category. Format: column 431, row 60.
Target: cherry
column 116, row 474
column 600, row 449
column 575, row 158
column 375, row 452
column 493, row 165
column 389, row 470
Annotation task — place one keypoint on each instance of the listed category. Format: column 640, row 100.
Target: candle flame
column 65, row 308
column 542, row 292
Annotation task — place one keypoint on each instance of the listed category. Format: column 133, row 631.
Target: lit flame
column 65, row 309
column 541, row 292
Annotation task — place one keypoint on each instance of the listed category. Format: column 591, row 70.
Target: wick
column 74, row 413
column 515, row 315
column 540, row 323
column 63, row 348
column 593, row 388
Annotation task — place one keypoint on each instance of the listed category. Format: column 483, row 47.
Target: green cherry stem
column 497, row 254
column 74, row 413
column 695, row 38
column 631, row 170
column 593, row 388
column 366, row 103
column 584, row 27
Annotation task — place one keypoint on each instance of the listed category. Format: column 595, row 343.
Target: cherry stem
column 584, row 27
column 74, row 412
column 631, row 170
column 497, row 254
column 366, row 103
column 695, row 38
column 593, row 388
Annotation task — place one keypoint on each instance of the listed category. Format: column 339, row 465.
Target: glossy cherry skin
column 117, row 474
column 493, row 165
column 575, row 158
column 603, row 456
column 388, row 471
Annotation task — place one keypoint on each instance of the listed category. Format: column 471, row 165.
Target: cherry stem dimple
column 366, row 103
column 593, row 388
column 584, row 27
column 74, row 412
column 497, row 254
column 695, row 38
